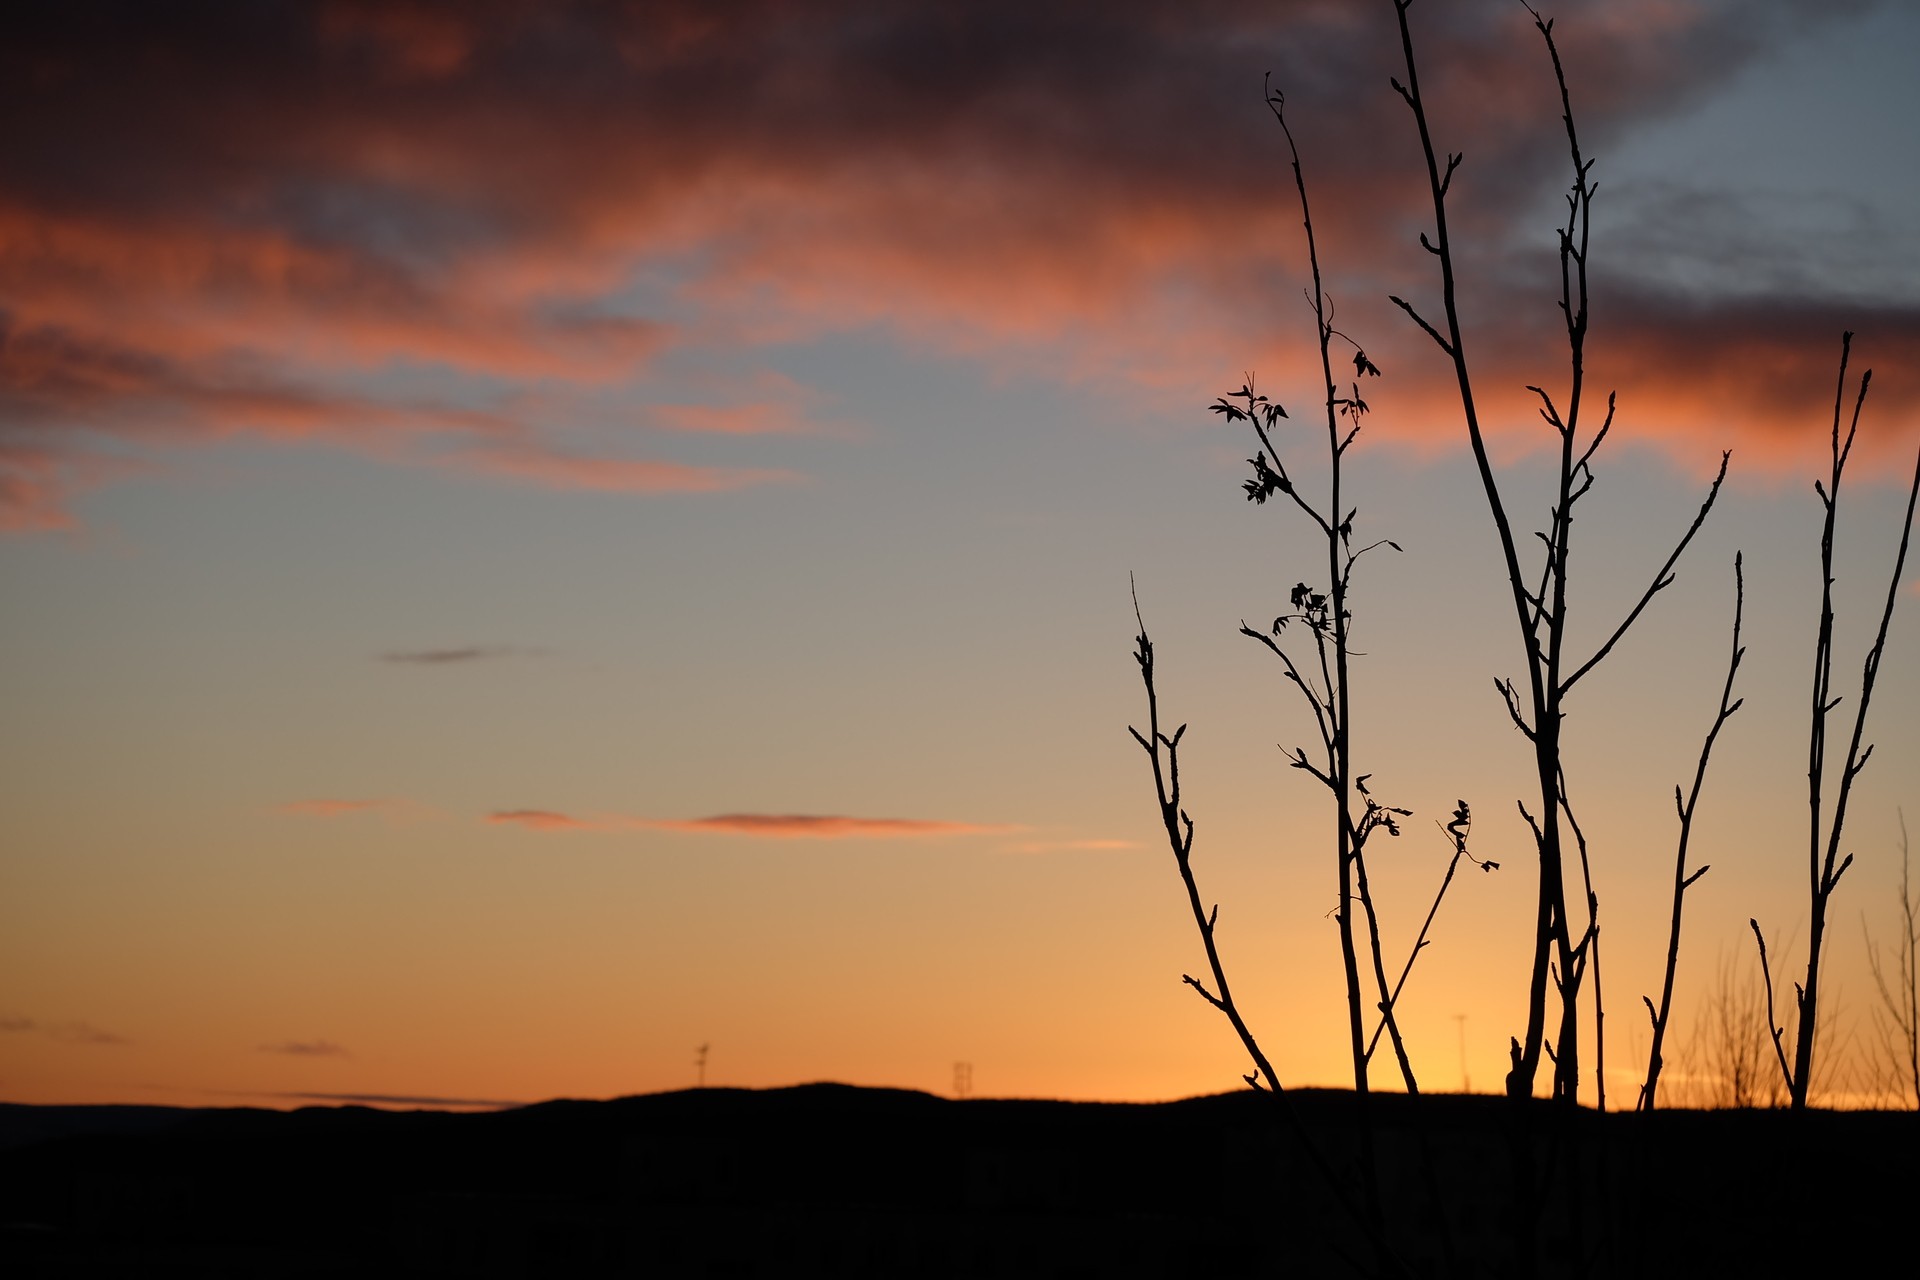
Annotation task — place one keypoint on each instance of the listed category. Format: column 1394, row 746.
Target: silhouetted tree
column 1323, row 682
column 1311, row 638
column 1540, row 603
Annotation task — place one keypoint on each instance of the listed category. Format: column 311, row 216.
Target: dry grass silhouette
column 1895, row 1046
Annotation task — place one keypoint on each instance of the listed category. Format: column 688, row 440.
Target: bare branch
column 1681, row 880
column 1417, row 318
column 1660, row 580
column 1774, row 1030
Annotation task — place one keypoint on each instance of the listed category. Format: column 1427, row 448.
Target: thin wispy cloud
column 1073, row 846
column 86, row 1033
column 542, row 820
column 766, row 403
column 550, row 469
column 760, row 419
column 810, row 826
column 458, row 655
column 329, row 808
column 394, row 810
column 306, row 1049
column 766, row 826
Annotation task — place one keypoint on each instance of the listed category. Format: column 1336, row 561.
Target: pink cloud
column 806, row 826
column 764, row 419
column 772, row 826
column 39, row 480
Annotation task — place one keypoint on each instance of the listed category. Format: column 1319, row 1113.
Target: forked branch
column 1825, row 865
column 1164, row 753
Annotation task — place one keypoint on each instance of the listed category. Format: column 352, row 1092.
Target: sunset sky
column 536, row 537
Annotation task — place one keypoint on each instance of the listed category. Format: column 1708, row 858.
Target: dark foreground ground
column 831, row 1180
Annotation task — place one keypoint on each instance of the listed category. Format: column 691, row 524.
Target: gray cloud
column 306, row 1049
column 83, row 1033
column 360, row 183
column 459, row 655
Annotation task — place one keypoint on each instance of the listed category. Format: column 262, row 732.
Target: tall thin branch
column 1682, row 878
column 1549, row 920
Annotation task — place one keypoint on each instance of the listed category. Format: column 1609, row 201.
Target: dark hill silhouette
column 848, row 1181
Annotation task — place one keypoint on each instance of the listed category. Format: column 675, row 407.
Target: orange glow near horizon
column 537, row 538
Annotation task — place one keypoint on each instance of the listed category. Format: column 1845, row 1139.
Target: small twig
column 1457, row 831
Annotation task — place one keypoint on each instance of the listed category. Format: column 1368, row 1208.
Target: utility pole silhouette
column 700, row 1064
column 1466, row 1084
column 962, row 1079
